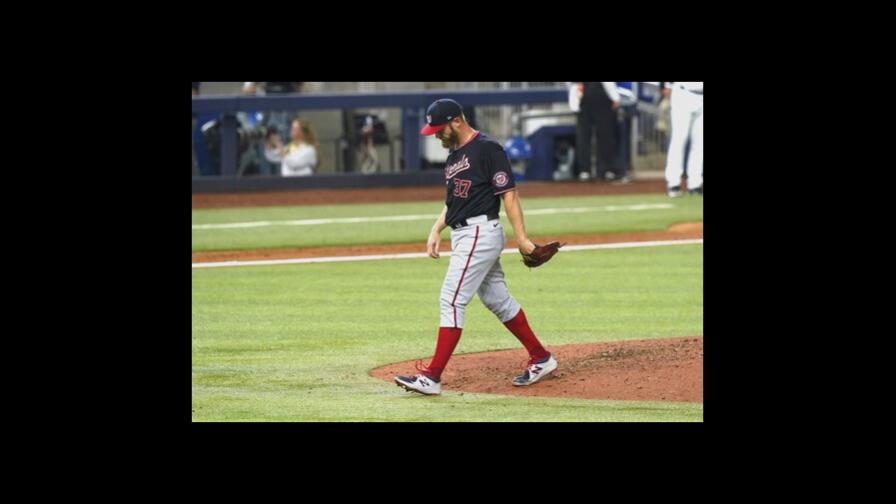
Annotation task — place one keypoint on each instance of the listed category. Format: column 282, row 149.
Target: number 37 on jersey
column 462, row 187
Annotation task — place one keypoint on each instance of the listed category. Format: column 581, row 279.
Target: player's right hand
column 432, row 245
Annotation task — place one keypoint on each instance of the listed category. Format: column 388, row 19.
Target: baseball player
column 687, row 123
column 478, row 177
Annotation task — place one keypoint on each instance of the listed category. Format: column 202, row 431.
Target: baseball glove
column 541, row 254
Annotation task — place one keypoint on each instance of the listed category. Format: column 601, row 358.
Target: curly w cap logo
column 428, row 119
column 500, row 179
column 453, row 169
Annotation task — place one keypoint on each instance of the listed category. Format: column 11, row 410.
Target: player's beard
column 449, row 137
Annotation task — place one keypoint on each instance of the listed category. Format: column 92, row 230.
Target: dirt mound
column 668, row 369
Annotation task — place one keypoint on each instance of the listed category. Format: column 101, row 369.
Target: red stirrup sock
column 519, row 326
column 448, row 338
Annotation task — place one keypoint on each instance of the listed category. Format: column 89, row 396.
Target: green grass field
column 295, row 342
column 598, row 214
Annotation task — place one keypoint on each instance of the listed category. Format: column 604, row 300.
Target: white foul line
column 393, row 218
column 417, row 255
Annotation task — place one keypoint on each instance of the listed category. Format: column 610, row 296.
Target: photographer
column 299, row 157
column 254, row 130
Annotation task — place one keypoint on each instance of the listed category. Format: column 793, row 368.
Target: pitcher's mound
column 668, row 369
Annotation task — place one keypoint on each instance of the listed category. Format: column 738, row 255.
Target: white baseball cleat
column 536, row 371
column 674, row 191
column 419, row 383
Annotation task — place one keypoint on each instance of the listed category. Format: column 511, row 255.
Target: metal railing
column 650, row 129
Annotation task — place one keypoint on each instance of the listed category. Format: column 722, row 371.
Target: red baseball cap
column 439, row 114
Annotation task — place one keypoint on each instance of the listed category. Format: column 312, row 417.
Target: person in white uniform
column 687, row 126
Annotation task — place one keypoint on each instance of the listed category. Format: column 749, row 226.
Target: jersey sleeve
column 499, row 172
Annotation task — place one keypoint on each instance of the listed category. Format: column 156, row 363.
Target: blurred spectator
column 253, row 124
column 597, row 114
column 251, row 89
column 370, row 131
column 192, row 132
column 686, row 102
column 278, row 119
column 299, row 157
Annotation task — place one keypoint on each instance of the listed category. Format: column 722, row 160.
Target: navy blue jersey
column 475, row 174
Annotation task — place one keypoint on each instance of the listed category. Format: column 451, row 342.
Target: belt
column 479, row 219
